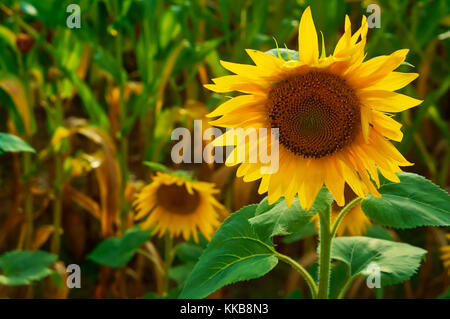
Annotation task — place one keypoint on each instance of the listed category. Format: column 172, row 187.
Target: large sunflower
column 176, row 205
column 332, row 113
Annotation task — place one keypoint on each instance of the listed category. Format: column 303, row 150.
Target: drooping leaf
column 235, row 253
column 116, row 252
column 281, row 220
column 13, row 86
column 397, row 261
column 413, row 202
column 20, row 267
column 12, row 143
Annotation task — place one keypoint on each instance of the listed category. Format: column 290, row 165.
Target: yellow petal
column 267, row 62
column 246, row 70
column 235, row 103
column 376, row 69
column 394, row 81
column 387, row 101
column 387, row 126
column 345, row 41
column 308, row 47
column 365, row 119
column 239, row 83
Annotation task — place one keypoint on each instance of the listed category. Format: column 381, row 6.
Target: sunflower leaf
column 413, row 202
column 20, row 267
column 118, row 251
column 280, row 220
column 286, row 54
column 396, row 261
column 235, row 253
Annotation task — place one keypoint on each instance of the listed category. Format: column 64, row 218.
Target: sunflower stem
column 309, row 280
column 168, row 258
column 346, row 286
column 325, row 253
column 342, row 214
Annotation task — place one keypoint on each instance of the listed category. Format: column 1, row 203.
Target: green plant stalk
column 168, row 258
column 57, row 186
column 123, row 148
column 325, row 253
column 346, row 286
column 28, row 203
column 342, row 214
column 57, row 206
column 309, row 280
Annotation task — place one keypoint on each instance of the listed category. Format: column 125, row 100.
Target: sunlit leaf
column 235, row 253
column 20, row 267
column 413, row 202
column 396, row 261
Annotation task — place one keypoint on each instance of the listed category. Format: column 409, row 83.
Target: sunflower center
column 177, row 200
column 317, row 113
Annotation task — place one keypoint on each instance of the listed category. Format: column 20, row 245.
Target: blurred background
column 95, row 102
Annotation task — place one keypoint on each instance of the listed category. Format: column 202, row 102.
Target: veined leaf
column 12, row 143
column 20, row 267
column 118, row 251
column 397, row 261
column 235, row 253
column 280, row 220
column 413, row 202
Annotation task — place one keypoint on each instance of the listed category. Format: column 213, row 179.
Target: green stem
column 28, row 203
column 325, row 253
column 346, row 286
column 57, row 186
column 309, row 280
column 57, row 206
column 168, row 258
column 342, row 214
column 152, row 259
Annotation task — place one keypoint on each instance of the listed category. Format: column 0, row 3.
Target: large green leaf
column 397, row 261
column 20, row 267
column 280, row 220
column 413, row 202
column 235, row 253
column 116, row 252
column 12, row 143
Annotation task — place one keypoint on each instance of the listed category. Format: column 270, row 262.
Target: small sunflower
column 332, row 112
column 175, row 204
column 445, row 255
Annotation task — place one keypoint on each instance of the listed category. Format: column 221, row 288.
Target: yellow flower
column 332, row 113
column 445, row 255
column 176, row 205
